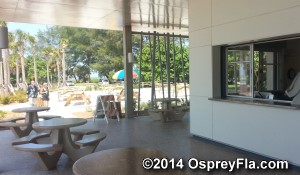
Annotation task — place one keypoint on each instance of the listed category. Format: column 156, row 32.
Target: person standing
column 32, row 92
column 45, row 94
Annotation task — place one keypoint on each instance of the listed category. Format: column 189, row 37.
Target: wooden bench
column 79, row 133
column 48, row 117
column 30, row 139
column 47, row 161
column 91, row 139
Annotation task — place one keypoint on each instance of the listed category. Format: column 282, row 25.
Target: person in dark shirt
column 32, row 92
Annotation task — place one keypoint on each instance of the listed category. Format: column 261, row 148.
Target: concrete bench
column 165, row 115
column 47, row 161
column 30, row 139
column 13, row 124
column 33, row 147
column 158, row 114
column 14, row 119
column 79, row 133
column 48, row 117
column 8, row 121
column 92, row 139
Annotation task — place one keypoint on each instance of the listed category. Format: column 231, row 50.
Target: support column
column 1, row 70
column 127, row 48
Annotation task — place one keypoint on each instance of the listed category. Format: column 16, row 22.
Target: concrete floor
column 173, row 138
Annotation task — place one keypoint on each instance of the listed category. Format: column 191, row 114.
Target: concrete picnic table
column 166, row 102
column 60, row 137
column 60, row 133
column 119, row 161
column 60, row 140
column 167, row 112
column 24, row 129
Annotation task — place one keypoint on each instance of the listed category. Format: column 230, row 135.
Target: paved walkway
column 56, row 107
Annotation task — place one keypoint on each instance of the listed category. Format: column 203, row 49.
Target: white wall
column 200, row 67
column 264, row 130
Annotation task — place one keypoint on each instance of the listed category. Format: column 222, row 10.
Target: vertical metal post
column 160, row 63
column 153, row 67
column 183, row 70
column 165, row 46
column 153, row 60
column 234, row 72
column 140, row 70
column 168, row 65
column 174, row 67
column 152, row 72
column 127, row 48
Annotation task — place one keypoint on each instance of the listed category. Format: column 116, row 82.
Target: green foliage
column 87, row 50
column 88, row 88
column 5, row 100
column 135, row 86
column 145, row 105
column 20, row 96
column 41, row 69
column 161, row 59
column 110, row 54
column 2, row 114
column 94, row 80
column 92, row 50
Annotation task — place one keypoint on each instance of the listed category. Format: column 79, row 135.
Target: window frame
column 251, row 49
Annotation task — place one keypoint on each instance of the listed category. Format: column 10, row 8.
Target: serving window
column 262, row 70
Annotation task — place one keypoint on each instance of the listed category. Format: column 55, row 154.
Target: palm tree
column 47, row 52
column 63, row 45
column 56, row 56
column 14, row 57
column 32, row 42
column 22, row 37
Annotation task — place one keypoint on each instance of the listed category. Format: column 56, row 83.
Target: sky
column 30, row 28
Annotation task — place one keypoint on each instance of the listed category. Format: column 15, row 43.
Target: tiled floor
column 173, row 138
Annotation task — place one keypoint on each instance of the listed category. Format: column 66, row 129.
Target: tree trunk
column 17, row 72
column 58, row 71
column 22, row 64
column 6, row 56
column 63, row 64
column 23, row 69
column 35, row 70
column 48, row 78
column 1, row 74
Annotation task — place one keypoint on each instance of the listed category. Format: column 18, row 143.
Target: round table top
column 30, row 109
column 118, row 161
column 59, row 123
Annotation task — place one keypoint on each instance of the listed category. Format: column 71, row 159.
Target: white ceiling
column 143, row 15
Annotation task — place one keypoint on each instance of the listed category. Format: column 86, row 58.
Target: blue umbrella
column 120, row 74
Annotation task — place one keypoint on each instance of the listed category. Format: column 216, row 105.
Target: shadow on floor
column 173, row 138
